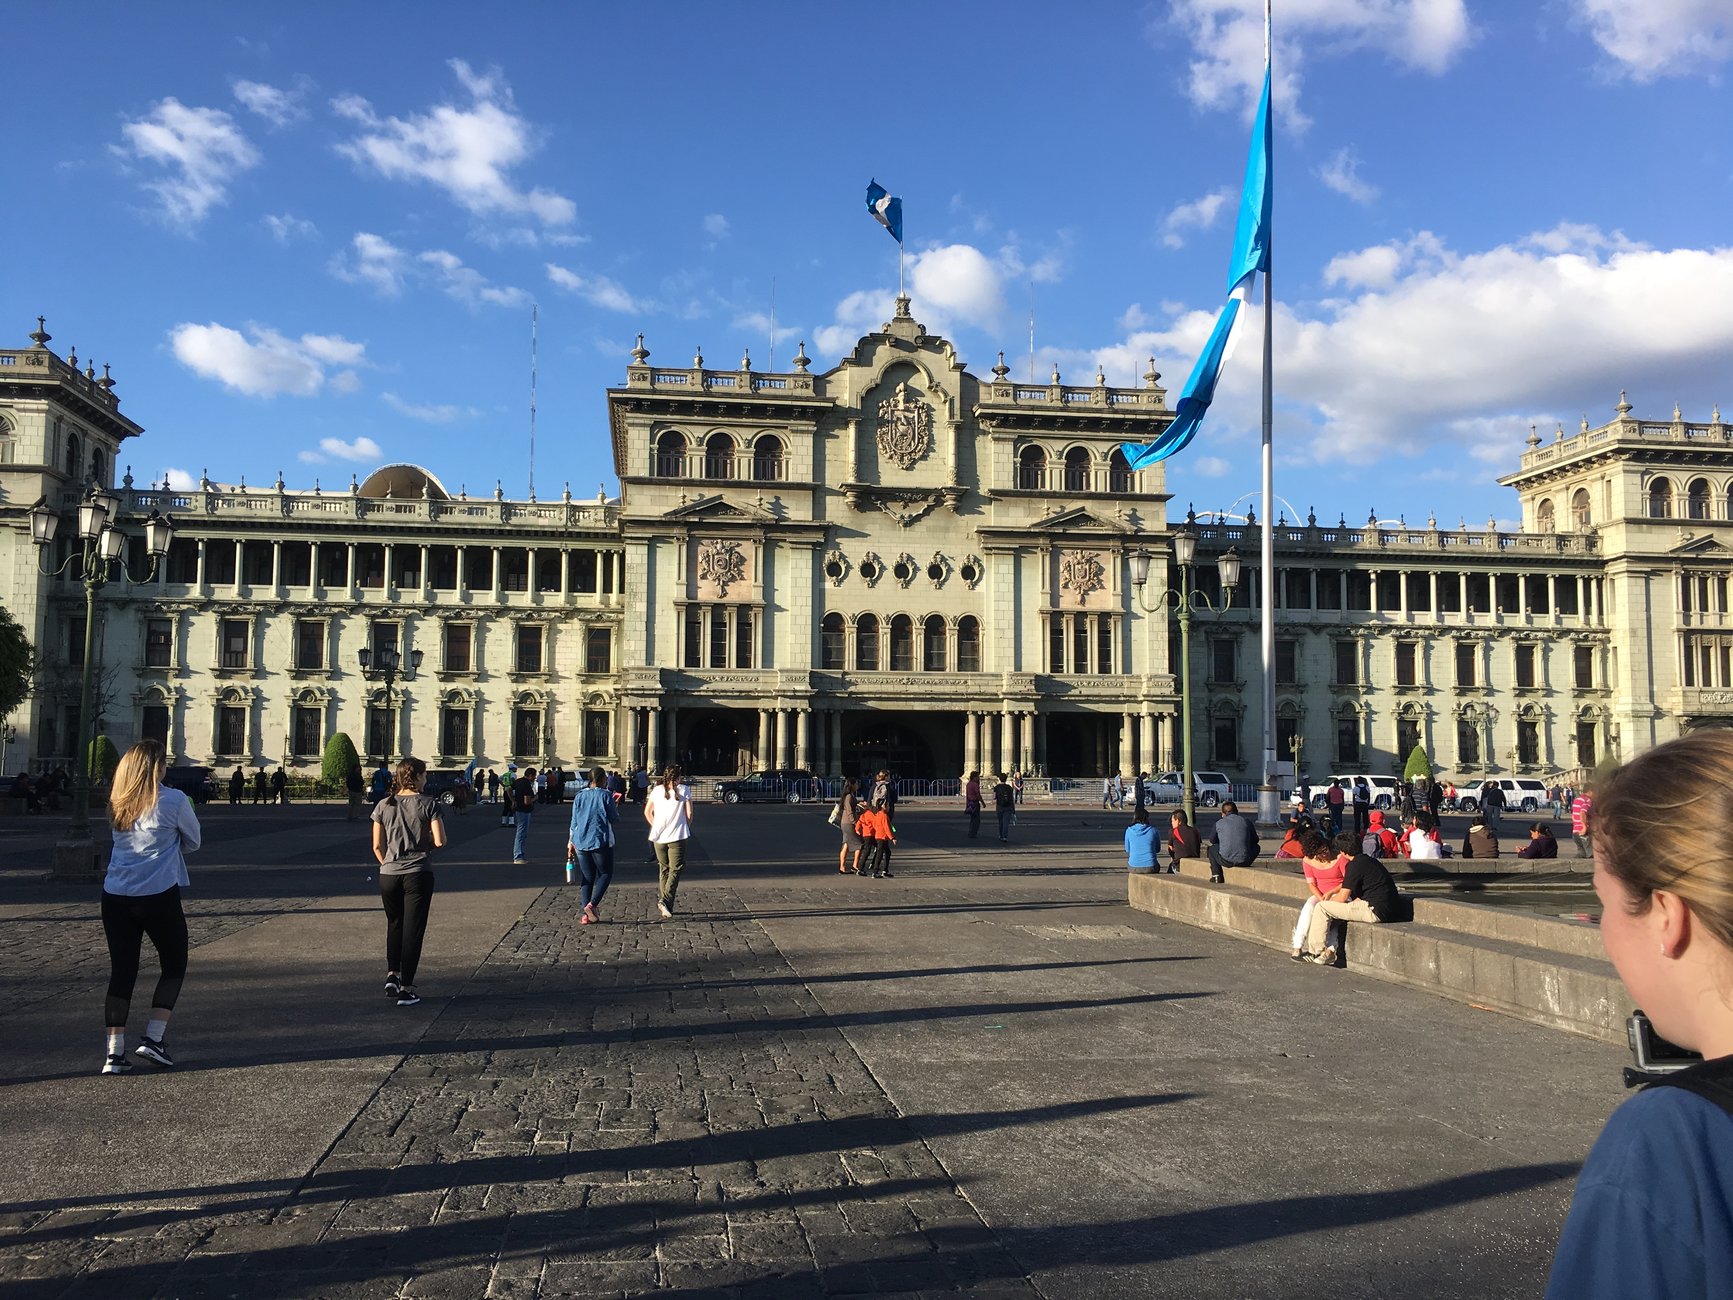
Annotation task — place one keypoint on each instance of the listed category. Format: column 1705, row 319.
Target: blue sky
column 307, row 238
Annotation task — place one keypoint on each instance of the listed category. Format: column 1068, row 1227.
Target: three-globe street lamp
column 1182, row 601
column 99, row 559
column 386, row 661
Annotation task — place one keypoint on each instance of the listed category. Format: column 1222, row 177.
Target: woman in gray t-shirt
column 407, row 828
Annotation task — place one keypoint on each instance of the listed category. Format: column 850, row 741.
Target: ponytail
column 671, row 778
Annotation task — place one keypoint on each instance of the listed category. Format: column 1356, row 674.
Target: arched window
column 866, row 643
column 1697, row 499
column 719, row 456
column 1580, row 509
column 830, row 643
column 902, row 644
column 1661, row 499
column 968, row 644
column 74, row 456
column 1118, row 472
column 1032, row 468
column 99, row 469
column 1543, row 520
column 671, row 454
column 1077, row 470
column 767, row 459
column 933, row 645
column 7, row 453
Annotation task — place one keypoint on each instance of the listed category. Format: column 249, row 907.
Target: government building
column 893, row 563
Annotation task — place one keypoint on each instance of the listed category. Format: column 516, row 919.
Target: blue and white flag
column 1251, row 255
column 886, row 210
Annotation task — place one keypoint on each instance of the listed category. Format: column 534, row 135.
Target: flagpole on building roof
column 1269, row 797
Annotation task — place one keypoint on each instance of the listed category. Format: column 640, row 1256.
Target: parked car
column 450, row 786
column 1386, row 790
column 1521, row 794
column 197, row 783
column 1169, row 787
column 778, row 785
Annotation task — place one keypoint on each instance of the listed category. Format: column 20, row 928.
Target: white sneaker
column 664, row 910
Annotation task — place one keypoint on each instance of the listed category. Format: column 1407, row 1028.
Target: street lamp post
column 1183, row 600
column 98, row 560
column 8, row 734
column 386, row 662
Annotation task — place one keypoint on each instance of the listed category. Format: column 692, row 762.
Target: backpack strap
column 1711, row 1080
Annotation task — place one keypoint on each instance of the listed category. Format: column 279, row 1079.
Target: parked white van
column 1168, row 787
column 1521, row 794
column 1386, row 790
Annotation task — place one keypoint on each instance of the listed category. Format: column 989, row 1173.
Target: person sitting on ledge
column 1233, row 842
column 1183, row 841
column 1367, row 894
column 1290, row 845
column 1142, row 843
column 1480, row 842
column 1541, row 843
column 1421, row 844
column 1324, row 868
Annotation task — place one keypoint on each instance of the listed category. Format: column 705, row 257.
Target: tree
column 17, row 659
column 340, row 757
column 104, row 758
column 1418, row 766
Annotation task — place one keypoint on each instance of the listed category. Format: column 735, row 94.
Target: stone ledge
column 1547, row 985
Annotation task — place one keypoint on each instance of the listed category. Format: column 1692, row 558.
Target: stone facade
column 893, row 563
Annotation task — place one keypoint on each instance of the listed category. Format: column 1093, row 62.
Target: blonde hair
column 1660, row 822
column 137, row 782
column 409, row 777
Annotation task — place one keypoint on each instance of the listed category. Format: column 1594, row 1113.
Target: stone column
column 198, row 578
column 565, row 572
column 802, row 746
column 1147, row 759
column 653, row 724
column 1027, row 750
column 836, row 742
column 425, row 578
column 779, row 749
column 970, row 757
column 763, row 738
column 276, row 565
column 1127, row 742
column 1005, row 746
column 496, row 568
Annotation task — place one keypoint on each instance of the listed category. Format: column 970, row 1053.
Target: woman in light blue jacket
column 590, row 843
column 154, row 828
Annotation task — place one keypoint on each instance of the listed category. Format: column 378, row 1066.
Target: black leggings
column 126, row 920
column 406, row 898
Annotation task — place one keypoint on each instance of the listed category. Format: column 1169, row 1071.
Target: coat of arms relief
column 722, row 563
column 905, row 432
column 1081, row 572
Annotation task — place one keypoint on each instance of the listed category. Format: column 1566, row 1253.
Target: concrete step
column 1543, row 984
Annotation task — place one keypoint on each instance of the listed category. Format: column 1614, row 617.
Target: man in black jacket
column 1367, row 894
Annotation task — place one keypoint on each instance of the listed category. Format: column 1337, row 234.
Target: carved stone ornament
column 905, row 432
column 905, row 569
column 871, row 568
column 721, row 562
column 835, row 567
column 972, row 572
column 1081, row 573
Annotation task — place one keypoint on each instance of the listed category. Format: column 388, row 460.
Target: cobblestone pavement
column 657, row 1106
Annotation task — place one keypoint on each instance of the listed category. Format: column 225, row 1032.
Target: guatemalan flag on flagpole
column 886, row 210
column 1251, row 255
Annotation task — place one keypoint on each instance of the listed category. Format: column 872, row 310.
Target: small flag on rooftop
column 887, row 210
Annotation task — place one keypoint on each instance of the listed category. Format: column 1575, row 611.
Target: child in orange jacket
column 874, row 828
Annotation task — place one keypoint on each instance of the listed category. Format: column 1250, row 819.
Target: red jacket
column 873, row 825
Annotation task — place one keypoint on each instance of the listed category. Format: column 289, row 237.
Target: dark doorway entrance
column 913, row 746
column 716, row 742
column 1082, row 744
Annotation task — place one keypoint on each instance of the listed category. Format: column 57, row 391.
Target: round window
column 970, row 573
column 936, row 572
column 833, row 569
column 903, row 572
column 869, row 570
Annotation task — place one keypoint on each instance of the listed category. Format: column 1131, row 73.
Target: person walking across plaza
column 492, row 786
column 280, row 787
column 259, row 787
column 1005, row 806
column 407, row 828
column 1334, row 798
column 1653, row 1209
column 883, row 841
column 354, row 784
column 1362, row 806
column 154, row 829
column 848, row 810
column 523, row 802
column 972, row 803
column 1233, row 842
column 668, row 810
column 1582, row 824
column 1492, row 805
column 237, row 787
column 590, row 843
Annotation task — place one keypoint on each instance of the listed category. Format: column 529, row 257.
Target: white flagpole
column 1269, row 795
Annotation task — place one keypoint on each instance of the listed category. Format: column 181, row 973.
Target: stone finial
column 1055, row 380
column 40, row 335
column 243, row 483
column 1559, row 434
column 126, row 479
column 1100, row 376
column 640, row 354
column 1678, row 413
column 1431, row 520
column 1341, row 519
column 1251, row 516
column 107, row 380
column 1190, row 513
column 801, row 362
column 1715, row 415
column 601, row 492
column 1624, row 406
column 315, row 485
column 279, row 480
column 1001, row 370
column 1491, row 524
column 1585, row 424
column 90, row 370
column 204, row 480
column 746, row 361
column 498, row 490
column 698, row 358
column 1533, row 439
column 1371, row 519
column 1152, row 376
column 566, row 496
column 1311, row 517
column 1402, row 521
column 72, row 357
column 903, row 312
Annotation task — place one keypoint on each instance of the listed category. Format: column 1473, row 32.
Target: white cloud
column 180, row 480
column 262, row 362
column 1133, row 318
column 1656, row 38
column 1199, row 214
column 276, row 106
column 958, row 281
column 469, row 285
column 468, row 151
column 861, row 312
column 429, row 413
column 203, row 150
column 372, row 260
column 360, row 449
column 1227, row 39
column 597, row 290
column 345, row 382
column 286, row 228
column 755, row 325
column 716, row 226
column 1211, row 466
column 1342, row 174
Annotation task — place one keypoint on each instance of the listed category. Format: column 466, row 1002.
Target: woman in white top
column 1423, row 845
column 669, row 812
column 154, row 828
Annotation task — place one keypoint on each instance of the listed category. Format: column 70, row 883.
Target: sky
column 308, row 238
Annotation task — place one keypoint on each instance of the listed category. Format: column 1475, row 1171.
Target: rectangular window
column 1329, row 589
column 1347, row 741
column 866, row 644
column 598, row 729
column 1586, row 755
column 158, row 643
column 584, row 572
column 1389, row 592
column 370, row 565
column 297, row 561
column 1420, row 591
column 1567, row 592
column 547, row 571
column 454, row 731
column 183, row 561
column 1525, row 665
column 379, row 732
column 968, row 646
column 256, row 563
column 1223, row 659
column 384, row 637
column 529, row 647
column 1287, row 732
column 459, row 648
column 333, row 565
column 231, row 729
column 694, row 636
column 1287, row 663
column 1450, row 593
column 1507, row 591
column 743, row 657
column 1103, row 643
column 442, row 568
column 478, row 568
column 1227, row 740
column 1359, row 585
column 1056, row 643
column 309, row 722
column 515, row 571
column 1297, row 588
column 1466, row 654
column 830, row 648
column 526, row 732
column 1080, row 643
column 232, row 640
column 220, row 562
column 1535, row 593
column 1406, row 655
column 1690, row 662
column 1407, row 737
column 309, row 644
column 1467, row 743
column 155, row 724
column 719, row 636
column 1479, row 593
column 902, row 644
column 1527, row 742
column 1347, row 663
column 599, row 650
column 75, row 640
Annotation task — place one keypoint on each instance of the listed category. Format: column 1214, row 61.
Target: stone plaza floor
column 986, row 1076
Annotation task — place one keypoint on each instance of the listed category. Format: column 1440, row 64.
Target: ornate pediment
column 1705, row 545
column 1077, row 519
column 718, row 509
column 905, row 505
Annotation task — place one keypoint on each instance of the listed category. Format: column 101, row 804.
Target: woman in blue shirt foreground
column 590, row 843
column 1142, row 842
column 1653, row 1212
column 154, row 828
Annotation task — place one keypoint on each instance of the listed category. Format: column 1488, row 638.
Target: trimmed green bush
column 1418, row 765
column 339, row 757
column 104, row 758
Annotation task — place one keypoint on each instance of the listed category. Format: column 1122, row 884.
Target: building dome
column 401, row 481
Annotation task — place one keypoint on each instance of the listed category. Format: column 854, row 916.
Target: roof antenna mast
column 534, row 312
column 773, row 324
